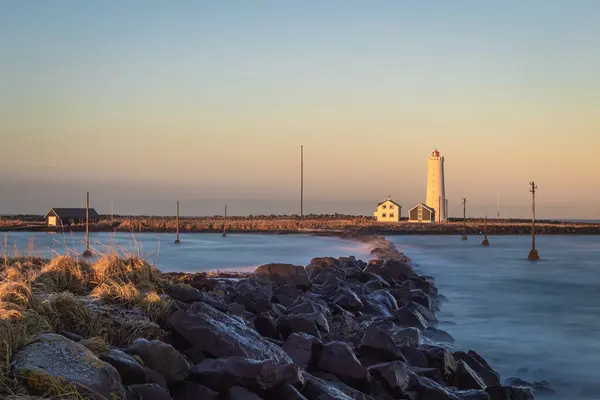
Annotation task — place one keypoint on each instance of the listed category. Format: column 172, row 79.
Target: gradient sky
column 146, row 102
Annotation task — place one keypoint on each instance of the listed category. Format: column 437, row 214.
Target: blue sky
column 210, row 101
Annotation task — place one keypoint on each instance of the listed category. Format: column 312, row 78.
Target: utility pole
column 464, row 235
column 301, row 181
column 87, row 252
column 177, row 241
column 533, row 254
column 485, row 241
column 112, row 211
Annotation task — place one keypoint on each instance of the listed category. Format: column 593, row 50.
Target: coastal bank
column 335, row 329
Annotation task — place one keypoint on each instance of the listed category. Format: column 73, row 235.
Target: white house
column 421, row 214
column 388, row 211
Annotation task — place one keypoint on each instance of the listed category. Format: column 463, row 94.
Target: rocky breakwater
column 336, row 329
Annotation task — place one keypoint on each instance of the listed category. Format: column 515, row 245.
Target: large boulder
column 339, row 359
column 395, row 376
column 392, row 270
column 343, row 325
column 256, row 375
column 488, row 375
column 218, row 335
column 443, row 360
column 52, row 360
column 240, row 393
column 310, row 306
column 301, row 347
column 283, row 274
column 184, row 292
column 377, row 343
column 321, row 263
column 131, row 371
column 187, row 390
column 148, row 391
column 466, row 378
column 297, row 324
column 161, row 357
column 291, row 393
column 318, row 389
column 256, row 298
column 347, row 299
column 429, row 389
column 266, row 325
column 384, row 297
column 407, row 317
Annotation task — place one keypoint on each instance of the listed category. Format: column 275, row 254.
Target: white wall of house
column 388, row 212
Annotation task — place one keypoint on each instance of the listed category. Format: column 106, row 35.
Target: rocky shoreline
column 335, row 329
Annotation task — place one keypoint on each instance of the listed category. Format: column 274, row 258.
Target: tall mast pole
column 301, row 181
column 464, row 235
column 87, row 252
column 533, row 254
column 177, row 241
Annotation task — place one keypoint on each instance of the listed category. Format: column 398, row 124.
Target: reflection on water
column 536, row 321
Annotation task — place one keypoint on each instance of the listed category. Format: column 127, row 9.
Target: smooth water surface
column 536, row 321
column 197, row 251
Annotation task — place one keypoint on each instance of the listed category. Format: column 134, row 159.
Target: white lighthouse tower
column 436, row 190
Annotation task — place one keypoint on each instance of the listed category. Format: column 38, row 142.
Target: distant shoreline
column 326, row 225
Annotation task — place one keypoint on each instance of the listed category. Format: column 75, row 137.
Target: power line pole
column 301, row 181
column 177, row 241
column 533, row 254
column 464, row 235
column 87, row 252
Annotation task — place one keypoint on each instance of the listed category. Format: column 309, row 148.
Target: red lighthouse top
column 436, row 153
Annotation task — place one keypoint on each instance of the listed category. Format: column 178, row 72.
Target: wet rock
column 194, row 354
column 291, row 393
column 427, row 314
column 286, row 295
column 254, row 297
column 339, row 359
column 384, row 297
column 394, row 375
column 329, row 277
column 187, row 390
column 318, row 389
column 391, row 270
column 307, row 307
column 266, row 325
column 509, row 393
column 52, row 357
column 300, row 347
column 236, row 309
column 472, row 395
column 466, row 378
column 347, row 299
column 184, row 292
column 407, row 317
column 414, row 357
column 488, row 375
column 214, row 300
column 161, row 357
column 148, row 391
column 541, row 387
column 344, row 324
column 374, row 308
column 155, row 377
column 240, row 393
column 283, row 274
column 431, row 373
column 377, row 343
column 407, row 337
column 358, row 288
column 423, row 284
column 429, row 389
column 437, row 335
column 218, row 335
column 443, row 360
column 131, row 371
column 297, row 323
column 256, row 375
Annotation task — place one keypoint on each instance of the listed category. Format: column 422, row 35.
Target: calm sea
column 536, row 321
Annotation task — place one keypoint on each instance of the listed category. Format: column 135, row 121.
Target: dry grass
column 157, row 308
column 64, row 273
column 113, row 292
column 97, row 345
column 130, row 270
column 16, row 292
column 65, row 313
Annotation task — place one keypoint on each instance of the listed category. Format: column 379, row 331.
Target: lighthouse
column 436, row 190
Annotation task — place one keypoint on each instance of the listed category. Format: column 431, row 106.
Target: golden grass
column 64, row 273
column 130, row 270
column 156, row 308
column 15, row 292
column 113, row 292
column 65, row 313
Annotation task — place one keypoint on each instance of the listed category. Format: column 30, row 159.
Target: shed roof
column 391, row 201
column 72, row 213
column 424, row 206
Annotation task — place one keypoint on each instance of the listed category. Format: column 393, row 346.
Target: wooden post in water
column 485, row 241
column 224, row 219
column 464, row 235
column 534, row 255
column 177, row 241
column 301, row 181
column 87, row 252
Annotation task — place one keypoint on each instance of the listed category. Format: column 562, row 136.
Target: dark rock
column 329, row 276
column 187, row 390
column 384, row 297
column 509, row 393
column 424, row 285
column 339, row 359
column 407, row 317
column 394, row 376
column 236, row 309
column 415, row 357
column 219, row 335
column 344, row 324
column 308, row 307
column 286, row 295
column 391, row 270
column 283, row 274
column 437, row 335
column 479, row 359
column 428, row 389
column 318, row 389
column 358, row 288
column 214, row 300
column 488, row 375
column 194, row 354
column 541, row 387
column 266, row 325
column 420, row 297
column 289, row 324
column 291, row 393
column 50, row 357
column 256, row 375
column 155, row 377
column 443, row 360
column 425, row 313
column 374, row 308
column 184, row 292
column 161, row 357
column 377, row 342
column 300, row 347
column 131, row 371
column 318, row 264
column 431, row 373
column 407, row 337
column 472, row 395
column 177, row 305
column 347, row 299
column 254, row 297
column 72, row 336
column 466, row 378
column 240, row 393
column 148, row 391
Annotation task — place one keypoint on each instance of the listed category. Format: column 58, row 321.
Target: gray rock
column 466, row 378
column 192, row 391
column 240, row 393
column 437, row 335
column 291, row 393
column 256, row 298
column 443, row 360
column 488, row 375
column 184, row 292
column 509, row 393
column 266, row 325
column 391, row 270
column 347, row 299
column 298, row 323
column 148, row 391
column 52, row 358
column 407, row 317
column 131, row 371
column 394, row 375
column 161, row 357
column 472, row 395
column 318, row 389
column 218, row 335
column 429, row 389
column 339, row 359
column 283, row 274
column 378, row 343
column 384, row 297
column 300, row 347
column 256, row 375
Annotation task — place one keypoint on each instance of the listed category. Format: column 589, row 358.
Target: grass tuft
column 157, row 308
column 96, row 345
column 63, row 273
column 114, row 292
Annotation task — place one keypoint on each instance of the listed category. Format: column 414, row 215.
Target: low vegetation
column 112, row 301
